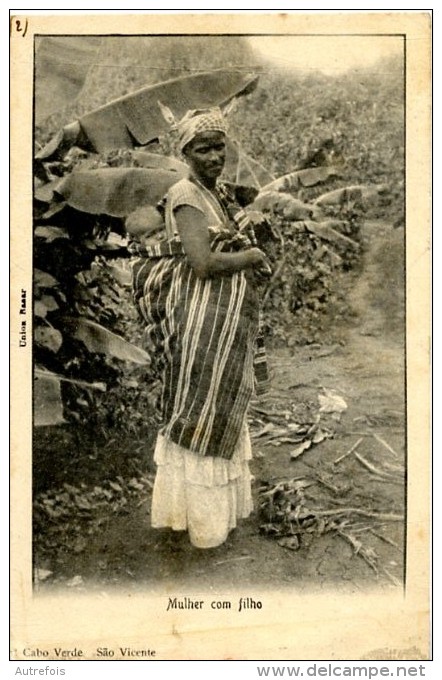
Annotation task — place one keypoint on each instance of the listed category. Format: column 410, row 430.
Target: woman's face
column 206, row 154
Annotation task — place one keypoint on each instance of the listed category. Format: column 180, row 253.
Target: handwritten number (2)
column 19, row 28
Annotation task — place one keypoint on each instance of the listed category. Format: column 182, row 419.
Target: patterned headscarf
column 199, row 120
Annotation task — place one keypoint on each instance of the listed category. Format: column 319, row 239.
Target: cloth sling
column 203, row 337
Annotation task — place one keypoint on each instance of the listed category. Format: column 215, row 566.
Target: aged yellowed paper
column 256, row 598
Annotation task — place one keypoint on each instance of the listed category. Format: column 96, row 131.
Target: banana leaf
column 136, row 119
column 61, row 66
column 357, row 192
column 90, row 190
column 102, row 341
column 309, row 177
column 115, row 191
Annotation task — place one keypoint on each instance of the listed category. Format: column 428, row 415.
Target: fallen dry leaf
column 300, row 449
column 330, row 402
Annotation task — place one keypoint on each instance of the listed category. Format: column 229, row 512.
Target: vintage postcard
column 220, row 247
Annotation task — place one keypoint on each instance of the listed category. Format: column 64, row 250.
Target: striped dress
column 203, row 337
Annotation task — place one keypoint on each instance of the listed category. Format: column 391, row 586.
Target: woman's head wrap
column 199, row 120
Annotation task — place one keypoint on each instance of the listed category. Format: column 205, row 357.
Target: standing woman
column 197, row 294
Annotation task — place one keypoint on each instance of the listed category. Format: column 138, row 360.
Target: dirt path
column 368, row 372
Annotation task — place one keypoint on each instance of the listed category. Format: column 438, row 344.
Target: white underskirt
column 202, row 494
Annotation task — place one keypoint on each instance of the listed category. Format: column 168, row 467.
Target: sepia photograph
column 213, row 339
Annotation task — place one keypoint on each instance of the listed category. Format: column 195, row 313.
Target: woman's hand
column 260, row 262
column 256, row 256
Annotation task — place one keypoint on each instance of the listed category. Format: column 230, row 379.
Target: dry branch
column 368, row 555
column 392, row 578
column 385, row 538
column 384, row 443
column 382, row 516
column 372, row 468
column 349, row 452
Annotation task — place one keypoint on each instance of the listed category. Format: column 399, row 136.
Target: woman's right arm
column 194, row 234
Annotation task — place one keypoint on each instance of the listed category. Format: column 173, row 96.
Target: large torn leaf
column 61, row 66
column 141, row 115
column 48, row 406
column 99, row 339
column 357, row 192
column 136, row 119
column 309, row 177
column 119, row 191
column 116, row 191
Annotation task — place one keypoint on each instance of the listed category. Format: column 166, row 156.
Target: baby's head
column 144, row 223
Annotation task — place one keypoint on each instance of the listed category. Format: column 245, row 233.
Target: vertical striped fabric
column 202, row 335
